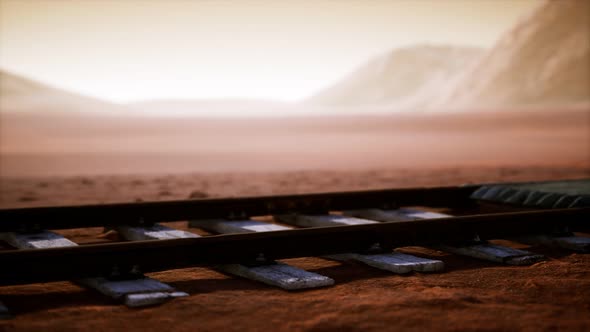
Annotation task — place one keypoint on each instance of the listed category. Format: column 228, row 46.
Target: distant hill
column 22, row 95
column 207, row 107
column 543, row 61
column 397, row 75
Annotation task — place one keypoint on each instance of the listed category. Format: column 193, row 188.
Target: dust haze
column 523, row 102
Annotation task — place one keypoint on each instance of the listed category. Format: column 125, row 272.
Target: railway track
column 248, row 236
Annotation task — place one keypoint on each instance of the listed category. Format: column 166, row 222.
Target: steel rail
column 60, row 217
column 44, row 265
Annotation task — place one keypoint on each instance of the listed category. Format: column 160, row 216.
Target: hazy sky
column 126, row 50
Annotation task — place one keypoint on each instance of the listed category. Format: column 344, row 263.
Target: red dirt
column 469, row 295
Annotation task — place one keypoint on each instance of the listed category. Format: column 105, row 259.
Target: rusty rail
column 60, row 217
column 43, row 265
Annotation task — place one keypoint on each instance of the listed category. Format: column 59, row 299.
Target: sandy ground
column 53, row 161
column 44, row 145
column 470, row 295
column 41, row 191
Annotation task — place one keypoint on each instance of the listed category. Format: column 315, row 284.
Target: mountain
column 399, row 74
column 543, row 61
column 22, row 95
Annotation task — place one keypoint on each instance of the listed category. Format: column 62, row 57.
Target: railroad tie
column 393, row 262
column 137, row 292
column 565, row 241
column 271, row 273
column 4, row 313
column 153, row 232
column 481, row 250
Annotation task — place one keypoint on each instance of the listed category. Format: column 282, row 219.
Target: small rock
column 198, row 194
column 42, row 184
column 28, row 198
column 86, row 182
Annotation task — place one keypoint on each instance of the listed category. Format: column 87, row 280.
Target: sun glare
column 126, row 51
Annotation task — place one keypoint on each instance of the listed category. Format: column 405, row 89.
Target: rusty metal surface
column 538, row 195
column 30, row 219
column 42, row 265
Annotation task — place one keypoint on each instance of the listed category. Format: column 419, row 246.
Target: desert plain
column 422, row 114
column 281, row 156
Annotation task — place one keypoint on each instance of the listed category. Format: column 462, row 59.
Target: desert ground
column 470, row 295
column 421, row 115
column 85, row 144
